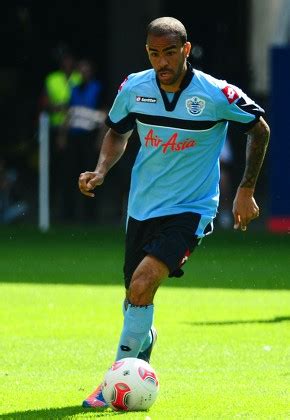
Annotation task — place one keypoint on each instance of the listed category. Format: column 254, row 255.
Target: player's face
column 167, row 56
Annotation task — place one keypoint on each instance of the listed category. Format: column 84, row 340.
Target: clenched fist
column 88, row 181
column 245, row 208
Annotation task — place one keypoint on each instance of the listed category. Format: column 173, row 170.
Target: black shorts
column 171, row 239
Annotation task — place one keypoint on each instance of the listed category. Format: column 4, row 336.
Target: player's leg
column 138, row 317
column 154, row 249
column 139, row 314
column 150, row 340
column 164, row 243
column 168, row 240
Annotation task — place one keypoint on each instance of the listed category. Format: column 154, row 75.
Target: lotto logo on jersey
column 146, row 100
column 230, row 93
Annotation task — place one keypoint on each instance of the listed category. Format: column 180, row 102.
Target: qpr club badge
column 195, row 105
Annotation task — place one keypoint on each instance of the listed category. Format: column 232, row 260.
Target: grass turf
column 223, row 345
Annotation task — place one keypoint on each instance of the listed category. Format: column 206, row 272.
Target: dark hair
column 166, row 26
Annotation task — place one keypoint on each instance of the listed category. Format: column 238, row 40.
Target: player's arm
column 245, row 207
column 113, row 147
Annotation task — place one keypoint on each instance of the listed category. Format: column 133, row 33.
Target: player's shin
column 148, row 340
column 137, row 323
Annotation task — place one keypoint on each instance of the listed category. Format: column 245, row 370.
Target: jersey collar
column 170, row 105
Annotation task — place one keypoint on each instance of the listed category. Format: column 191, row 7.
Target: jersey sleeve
column 235, row 105
column 120, row 118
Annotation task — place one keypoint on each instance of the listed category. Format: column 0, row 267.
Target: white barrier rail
column 43, row 186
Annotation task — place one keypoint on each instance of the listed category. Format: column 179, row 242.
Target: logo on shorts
column 195, row 105
column 185, row 258
column 146, row 100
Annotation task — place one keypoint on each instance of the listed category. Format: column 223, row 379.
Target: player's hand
column 88, row 181
column 245, row 208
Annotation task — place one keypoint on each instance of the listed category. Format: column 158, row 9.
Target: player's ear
column 187, row 48
column 147, row 48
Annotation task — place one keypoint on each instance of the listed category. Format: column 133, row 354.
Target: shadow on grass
column 59, row 413
column 250, row 321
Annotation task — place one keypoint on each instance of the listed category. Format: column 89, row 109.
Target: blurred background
column 58, row 57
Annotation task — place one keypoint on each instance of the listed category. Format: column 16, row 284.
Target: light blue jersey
column 177, row 167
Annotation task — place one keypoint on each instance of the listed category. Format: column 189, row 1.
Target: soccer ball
column 130, row 384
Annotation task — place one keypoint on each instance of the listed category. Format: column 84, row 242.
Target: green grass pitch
column 223, row 350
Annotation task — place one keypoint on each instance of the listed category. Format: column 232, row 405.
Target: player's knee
column 141, row 290
column 145, row 281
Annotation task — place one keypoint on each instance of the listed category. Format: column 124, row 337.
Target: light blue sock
column 147, row 342
column 125, row 306
column 148, row 339
column 137, row 324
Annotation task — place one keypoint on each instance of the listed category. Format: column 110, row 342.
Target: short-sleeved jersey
column 177, row 167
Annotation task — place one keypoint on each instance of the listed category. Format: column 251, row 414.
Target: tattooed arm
column 245, row 207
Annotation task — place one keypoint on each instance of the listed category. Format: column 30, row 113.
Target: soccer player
column 181, row 115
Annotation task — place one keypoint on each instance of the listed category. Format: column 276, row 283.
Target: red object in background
column 279, row 224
